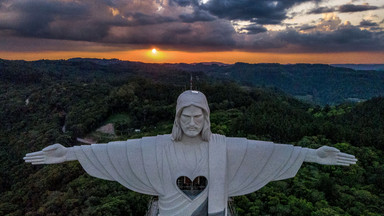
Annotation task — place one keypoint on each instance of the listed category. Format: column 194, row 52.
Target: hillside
column 377, row 67
column 313, row 83
column 38, row 98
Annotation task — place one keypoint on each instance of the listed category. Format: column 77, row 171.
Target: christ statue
column 226, row 166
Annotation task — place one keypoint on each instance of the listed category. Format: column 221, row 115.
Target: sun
column 155, row 54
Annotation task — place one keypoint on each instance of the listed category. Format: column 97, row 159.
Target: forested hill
column 315, row 83
column 47, row 102
column 377, row 67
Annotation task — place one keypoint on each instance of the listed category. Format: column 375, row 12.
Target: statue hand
column 52, row 154
column 332, row 156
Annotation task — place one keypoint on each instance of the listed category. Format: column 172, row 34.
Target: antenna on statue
column 191, row 83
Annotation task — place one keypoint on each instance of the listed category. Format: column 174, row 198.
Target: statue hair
column 177, row 132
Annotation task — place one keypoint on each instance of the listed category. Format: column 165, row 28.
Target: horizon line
column 188, row 63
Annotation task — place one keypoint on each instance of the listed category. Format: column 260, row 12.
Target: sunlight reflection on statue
column 226, row 166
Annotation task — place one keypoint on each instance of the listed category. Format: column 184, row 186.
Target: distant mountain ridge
column 96, row 60
column 376, row 67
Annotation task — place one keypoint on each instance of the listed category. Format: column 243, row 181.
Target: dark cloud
column 184, row 3
column 260, row 11
column 197, row 16
column 86, row 20
column 346, row 38
column 136, row 19
column 49, row 8
column 306, row 27
column 254, row 29
column 372, row 26
column 321, row 10
column 267, row 20
column 349, row 8
column 90, row 22
column 375, row 28
column 51, row 19
column 368, row 23
column 2, row 3
column 13, row 43
column 216, row 35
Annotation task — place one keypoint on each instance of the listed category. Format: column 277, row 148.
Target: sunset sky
column 229, row 31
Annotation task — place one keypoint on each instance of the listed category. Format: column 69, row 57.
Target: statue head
column 192, row 105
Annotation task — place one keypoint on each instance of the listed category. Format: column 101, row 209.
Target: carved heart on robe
column 192, row 188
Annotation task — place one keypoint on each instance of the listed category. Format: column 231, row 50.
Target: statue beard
column 177, row 132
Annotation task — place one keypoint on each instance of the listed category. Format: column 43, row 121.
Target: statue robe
column 151, row 165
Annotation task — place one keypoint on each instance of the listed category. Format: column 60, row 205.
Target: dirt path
column 107, row 129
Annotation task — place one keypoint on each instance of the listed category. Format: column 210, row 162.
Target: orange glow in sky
column 154, row 55
column 164, row 56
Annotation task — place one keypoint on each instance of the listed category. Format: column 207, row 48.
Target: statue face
column 192, row 120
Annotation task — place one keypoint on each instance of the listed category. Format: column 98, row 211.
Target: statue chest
column 188, row 160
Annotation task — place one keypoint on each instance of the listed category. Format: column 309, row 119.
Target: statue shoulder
column 235, row 142
column 158, row 137
column 158, row 140
column 148, row 139
column 240, row 140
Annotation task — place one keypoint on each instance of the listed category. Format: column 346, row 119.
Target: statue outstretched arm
column 52, row 154
column 329, row 156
